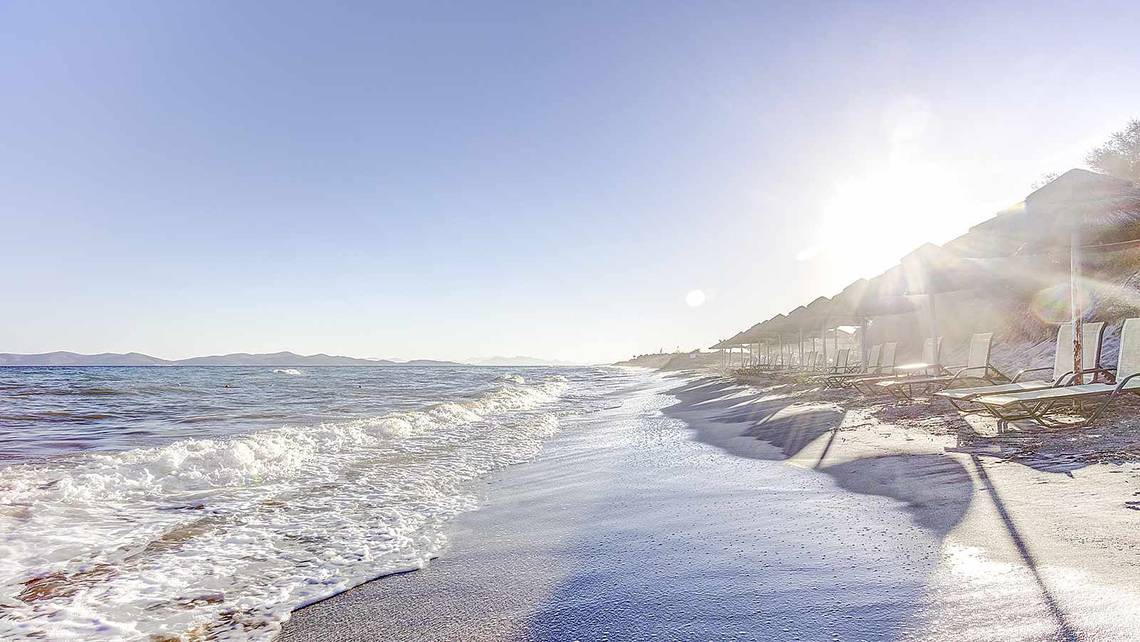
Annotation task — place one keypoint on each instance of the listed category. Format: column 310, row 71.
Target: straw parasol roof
column 765, row 329
column 750, row 335
column 1103, row 208
column 799, row 319
column 736, row 340
column 883, row 295
column 933, row 270
column 820, row 308
column 843, row 305
column 732, row 342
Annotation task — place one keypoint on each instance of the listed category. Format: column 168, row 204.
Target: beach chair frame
column 839, row 379
column 1018, row 406
column 886, row 370
column 840, row 367
column 978, row 368
column 962, row 398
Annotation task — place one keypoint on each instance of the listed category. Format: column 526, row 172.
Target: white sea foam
column 223, row 538
column 288, row 371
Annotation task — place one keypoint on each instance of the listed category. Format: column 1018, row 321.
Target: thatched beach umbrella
column 844, row 306
column 780, row 325
column 799, row 320
column 930, row 270
column 876, row 297
column 841, row 310
column 726, row 346
column 767, row 330
column 723, row 346
column 750, row 338
column 764, row 332
column 1075, row 208
column 737, row 341
column 817, row 314
column 884, row 295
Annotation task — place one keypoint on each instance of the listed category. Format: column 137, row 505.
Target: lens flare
column 1054, row 304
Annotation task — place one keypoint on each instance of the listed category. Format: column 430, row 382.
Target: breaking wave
column 223, row 538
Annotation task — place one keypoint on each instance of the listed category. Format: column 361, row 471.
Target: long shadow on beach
column 936, row 489
column 713, row 406
column 1065, row 630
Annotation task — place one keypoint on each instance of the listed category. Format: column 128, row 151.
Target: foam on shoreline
column 225, row 537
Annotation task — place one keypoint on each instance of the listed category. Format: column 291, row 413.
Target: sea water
column 152, row 503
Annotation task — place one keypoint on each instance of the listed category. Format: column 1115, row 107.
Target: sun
column 870, row 221
column 695, row 298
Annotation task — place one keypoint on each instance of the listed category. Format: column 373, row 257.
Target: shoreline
column 939, row 541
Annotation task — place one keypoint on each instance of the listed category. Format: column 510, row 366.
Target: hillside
column 61, row 358
column 673, row 361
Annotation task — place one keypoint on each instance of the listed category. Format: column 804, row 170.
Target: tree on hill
column 1120, row 155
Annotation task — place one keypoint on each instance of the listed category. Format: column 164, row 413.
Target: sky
column 571, row 180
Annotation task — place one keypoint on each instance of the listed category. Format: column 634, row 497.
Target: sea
column 209, row 502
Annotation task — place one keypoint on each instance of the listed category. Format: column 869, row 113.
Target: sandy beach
column 559, row 321
column 698, row 507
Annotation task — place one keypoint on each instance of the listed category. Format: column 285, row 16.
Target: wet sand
column 676, row 516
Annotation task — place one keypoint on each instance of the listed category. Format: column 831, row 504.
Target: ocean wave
column 223, row 538
column 513, row 378
column 288, row 371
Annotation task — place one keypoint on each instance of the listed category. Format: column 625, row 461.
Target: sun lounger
column 819, row 363
column 841, row 360
column 929, row 366
column 837, row 379
column 808, row 363
column 808, row 368
column 817, row 366
column 886, row 369
column 978, row 368
column 840, row 367
column 777, row 367
column 1042, row 405
column 931, row 363
column 1062, row 369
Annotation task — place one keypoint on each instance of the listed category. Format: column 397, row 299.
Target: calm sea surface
column 140, row 502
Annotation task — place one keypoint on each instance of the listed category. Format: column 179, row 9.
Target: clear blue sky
column 452, row 180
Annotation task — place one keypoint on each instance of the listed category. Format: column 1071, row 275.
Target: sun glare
column 695, row 298
column 869, row 222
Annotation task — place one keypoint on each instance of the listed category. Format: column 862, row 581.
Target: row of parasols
column 1078, row 212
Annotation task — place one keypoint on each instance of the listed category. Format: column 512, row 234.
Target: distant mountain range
column 287, row 359
column 284, row 359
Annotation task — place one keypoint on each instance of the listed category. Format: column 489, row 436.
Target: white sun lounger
column 1041, row 405
column 1062, row 368
column 978, row 368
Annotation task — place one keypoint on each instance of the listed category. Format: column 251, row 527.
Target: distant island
column 284, row 359
column 281, row 359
